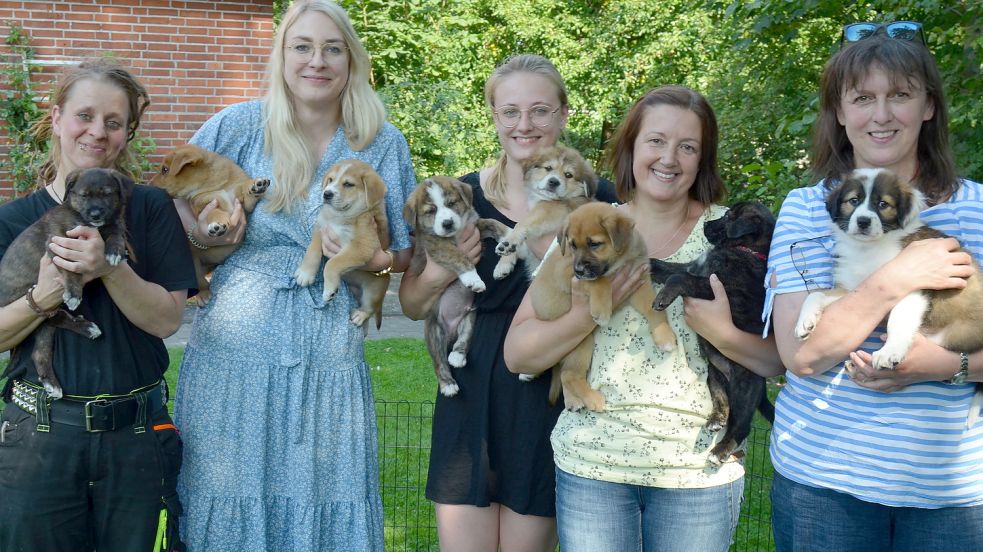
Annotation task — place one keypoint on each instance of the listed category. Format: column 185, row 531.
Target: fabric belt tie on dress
column 95, row 414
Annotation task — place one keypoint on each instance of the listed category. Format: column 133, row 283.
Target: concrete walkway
column 394, row 324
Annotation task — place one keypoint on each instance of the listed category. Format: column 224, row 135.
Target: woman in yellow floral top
column 636, row 476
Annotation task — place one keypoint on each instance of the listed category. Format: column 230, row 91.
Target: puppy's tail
column 974, row 407
column 378, row 319
column 767, row 409
column 555, row 385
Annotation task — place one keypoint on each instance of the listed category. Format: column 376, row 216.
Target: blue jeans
column 598, row 516
column 808, row 519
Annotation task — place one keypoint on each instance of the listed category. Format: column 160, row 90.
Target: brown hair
column 100, row 69
column 708, row 187
column 522, row 63
column 902, row 60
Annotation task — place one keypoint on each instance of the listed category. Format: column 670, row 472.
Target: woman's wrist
column 382, row 264
column 195, row 240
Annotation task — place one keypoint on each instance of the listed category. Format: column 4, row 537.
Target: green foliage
column 19, row 112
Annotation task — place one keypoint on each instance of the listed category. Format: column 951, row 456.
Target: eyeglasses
column 901, row 30
column 304, row 51
column 539, row 115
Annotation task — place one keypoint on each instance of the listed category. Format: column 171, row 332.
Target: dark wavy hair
column 708, row 187
column 902, row 60
column 100, row 69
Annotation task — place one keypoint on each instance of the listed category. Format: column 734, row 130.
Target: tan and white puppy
column 875, row 216
column 558, row 180
column 201, row 176
column 437, row 210
column 596, row 240
column 354, row 208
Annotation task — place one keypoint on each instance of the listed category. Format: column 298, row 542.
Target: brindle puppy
column 739, row 256
column 93, row 197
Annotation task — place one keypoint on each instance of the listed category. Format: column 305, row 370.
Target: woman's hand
column 930, row 264
column 710, row 318
column 50, row 287
column 624, row 282
column 82, row 251
column 920, row 364
column 232, row 236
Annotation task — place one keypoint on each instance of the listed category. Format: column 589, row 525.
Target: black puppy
column 93, row 197
column 739, row 256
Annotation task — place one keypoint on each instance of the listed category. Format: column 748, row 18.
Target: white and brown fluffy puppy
column 437, row 210
column 201, row 176
column 558, row 180
column 875, row 216
column 596, row 240
column 354, row 208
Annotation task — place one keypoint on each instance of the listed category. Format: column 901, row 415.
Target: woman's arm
column 533, row 345
column 18, row 319
column 146, row 305
column 712, row 320
column 925, row 361
column 419, row 290
column 847, row 322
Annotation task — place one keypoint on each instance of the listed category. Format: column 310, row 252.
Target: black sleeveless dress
column 491, row 442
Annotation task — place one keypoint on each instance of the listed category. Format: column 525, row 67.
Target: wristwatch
column 960, row 376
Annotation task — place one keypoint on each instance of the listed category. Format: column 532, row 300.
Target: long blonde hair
column 98, row 69
column 495, row 184
column 362, row 111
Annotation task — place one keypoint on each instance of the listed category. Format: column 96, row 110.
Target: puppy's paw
column 201, row 299
column 304, row 277
column 330, row 290
column 888, row 357
column 526, row 377
column 571, row 402
column 92, row 331
column 457, row 359
column 504, row 267
column 114, row 258
column 216, row 229
column 594, row 401
column 505, row 247
column 358, row 317
column 259, row 187
column 71, row 301
column 805, row 326
column 472, row 281
column 601, row 319
column 54, row 390
column 449, row 390
column 715, row 423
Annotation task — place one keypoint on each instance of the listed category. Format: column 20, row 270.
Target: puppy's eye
column 330, row 179
column 854, row 201
column 451, row 202
column 348, row 184
column 594, row 245
column 548, row 167
column 568, row 174
column 164, row 170
column 428, row 210
column 881, row 205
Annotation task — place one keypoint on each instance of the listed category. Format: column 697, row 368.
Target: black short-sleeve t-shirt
column 124, row 357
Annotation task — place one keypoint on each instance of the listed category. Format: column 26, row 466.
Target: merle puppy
column 739, row 256
column 95, row 198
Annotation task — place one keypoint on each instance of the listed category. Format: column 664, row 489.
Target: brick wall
column 193, row 57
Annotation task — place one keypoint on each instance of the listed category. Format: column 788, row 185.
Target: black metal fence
column 404, row 450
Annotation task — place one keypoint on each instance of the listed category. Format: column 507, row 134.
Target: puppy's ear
column 126, row 185
column 184, row 157
column 620, row 229
column 590, row 180
column 466, row 192
column 741, row 227
column 833, row 200
column 561, row 236
column 70, row 181
column 409, row 213
column 374, row 186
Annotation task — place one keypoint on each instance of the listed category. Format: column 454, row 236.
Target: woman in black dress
column 491, row 464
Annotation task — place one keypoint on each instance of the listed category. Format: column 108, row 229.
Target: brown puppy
column 597, row 239
column 437, row 210
column 354, row 208
column 558, row 180
column 95, row 198
column 200, row 176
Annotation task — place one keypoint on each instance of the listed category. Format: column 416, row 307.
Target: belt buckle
column 89, row 415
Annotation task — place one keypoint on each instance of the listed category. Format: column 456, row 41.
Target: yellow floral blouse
column 651, row 432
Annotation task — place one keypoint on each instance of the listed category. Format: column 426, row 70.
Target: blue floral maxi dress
column 274, row 399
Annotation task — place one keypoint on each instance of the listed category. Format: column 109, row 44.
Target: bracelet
column 191, row 237
column 388, row 269
column 960, row 376
column 35, row 307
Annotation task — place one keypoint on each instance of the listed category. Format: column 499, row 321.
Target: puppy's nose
column 553, row 183
column 447, row 224
column 328, row 195
column 863, row 223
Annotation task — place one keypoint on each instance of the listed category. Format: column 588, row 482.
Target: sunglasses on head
column 901, row 30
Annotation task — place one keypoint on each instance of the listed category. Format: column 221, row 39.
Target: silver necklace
column 653, row 254
column 54, row 193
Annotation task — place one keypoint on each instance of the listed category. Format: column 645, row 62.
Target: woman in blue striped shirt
column 876, row 460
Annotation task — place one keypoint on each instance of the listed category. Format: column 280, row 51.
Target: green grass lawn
column 404, row 386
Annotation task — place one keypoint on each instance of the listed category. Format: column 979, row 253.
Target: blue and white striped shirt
column 907, row 448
